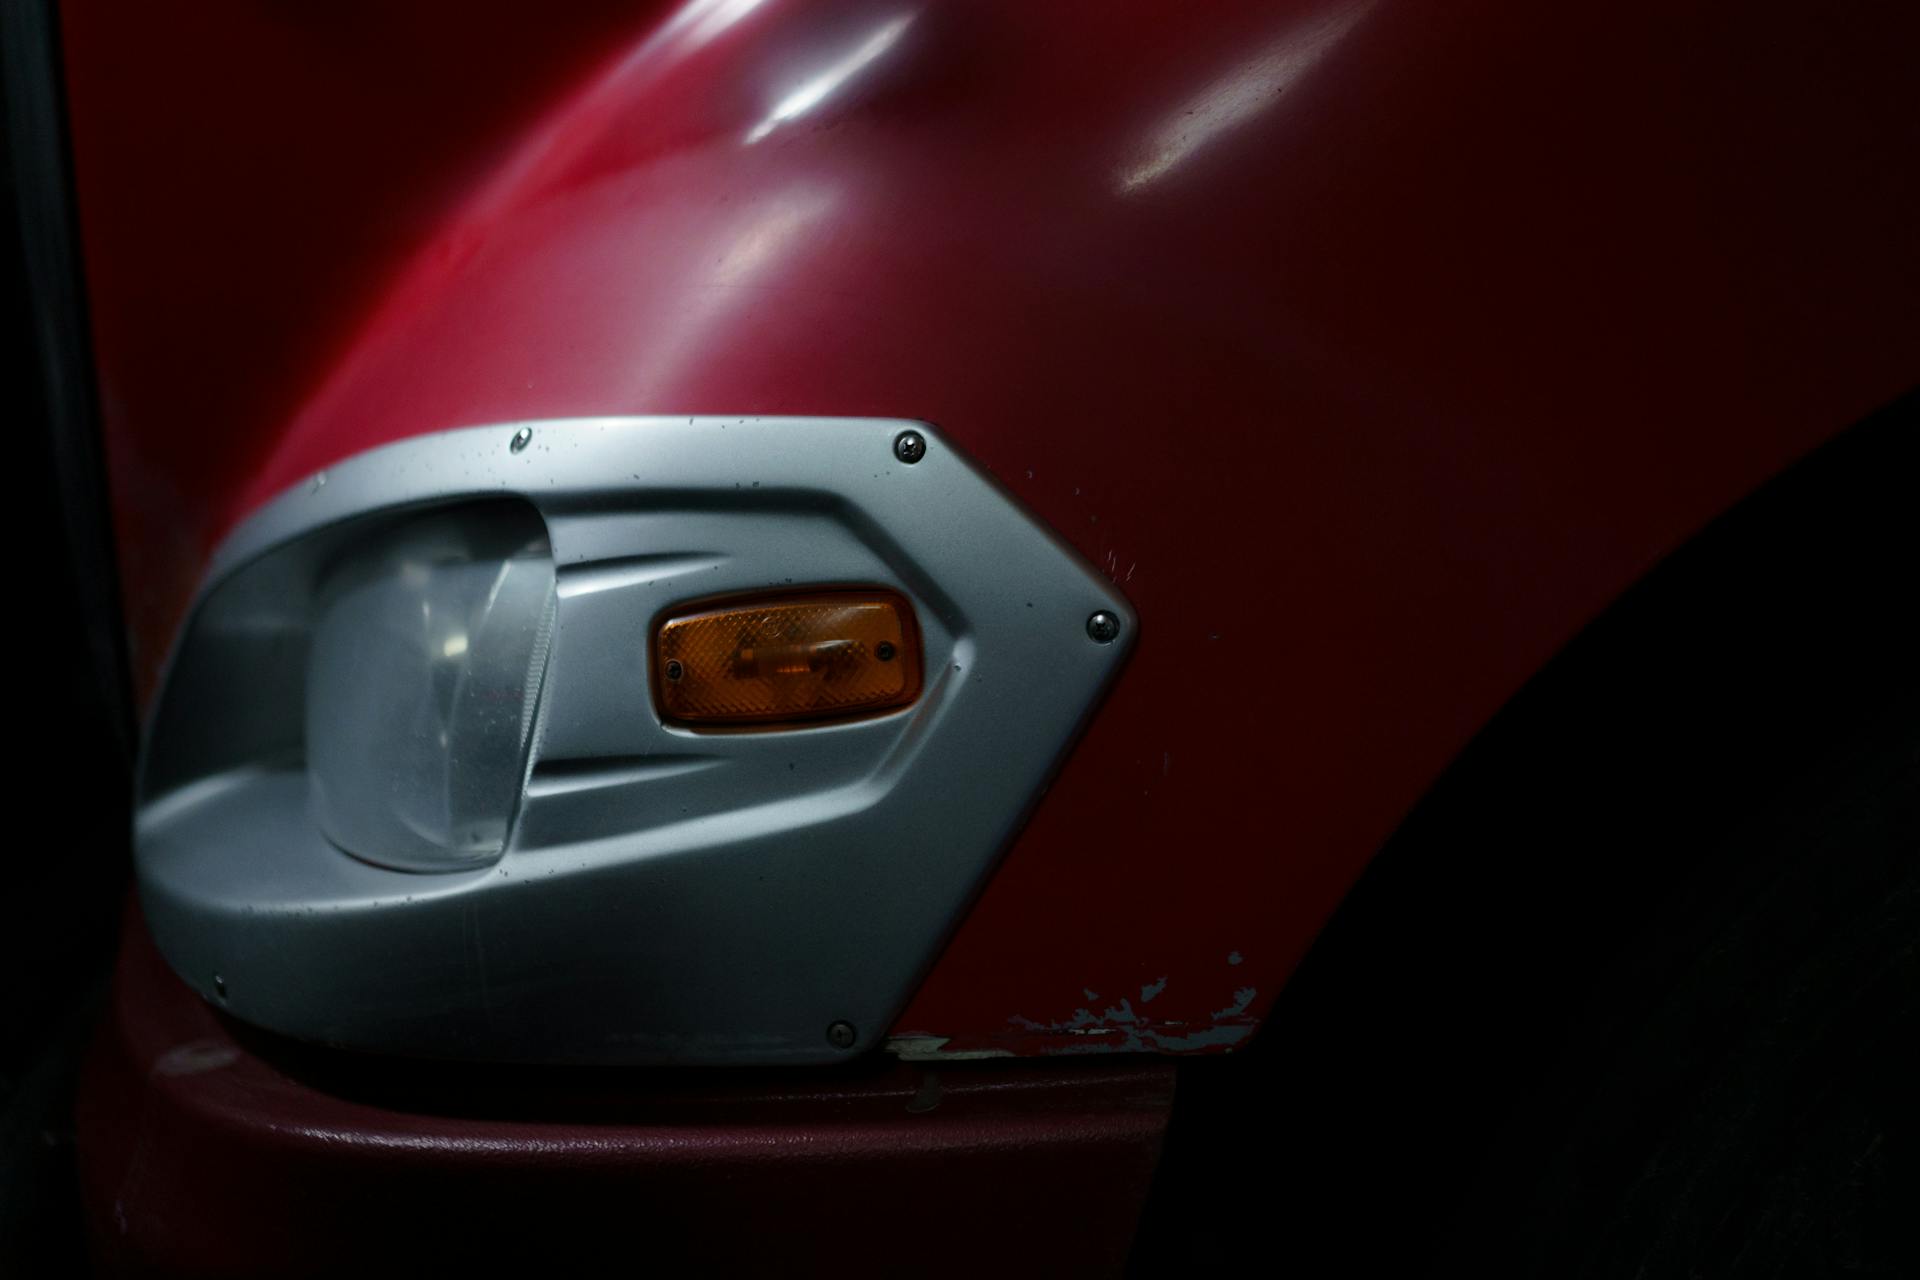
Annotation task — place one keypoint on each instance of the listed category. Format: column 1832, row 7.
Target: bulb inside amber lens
column 788, row 658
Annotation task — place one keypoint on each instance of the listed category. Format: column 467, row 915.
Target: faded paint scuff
column 196, row 1057
column 928, row 1048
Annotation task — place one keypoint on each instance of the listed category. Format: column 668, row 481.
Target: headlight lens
column 423, row 679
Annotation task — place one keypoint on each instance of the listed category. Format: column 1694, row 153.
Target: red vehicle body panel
column 1371, row 347
column 204, row 1159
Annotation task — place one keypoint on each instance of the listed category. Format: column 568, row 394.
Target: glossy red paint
column 202, row 1157
column 1371, row 346
column 248, row 176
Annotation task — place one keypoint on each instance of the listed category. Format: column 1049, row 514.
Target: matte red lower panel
column 206, row 1151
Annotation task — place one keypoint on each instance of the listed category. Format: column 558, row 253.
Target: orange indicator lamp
column 773, row 660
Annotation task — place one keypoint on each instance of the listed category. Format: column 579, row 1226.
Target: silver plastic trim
column 665, row 895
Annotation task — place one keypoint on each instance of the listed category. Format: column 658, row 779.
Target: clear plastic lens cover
column 429, row 647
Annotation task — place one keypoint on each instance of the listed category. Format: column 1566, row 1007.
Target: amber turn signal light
column 794, row 657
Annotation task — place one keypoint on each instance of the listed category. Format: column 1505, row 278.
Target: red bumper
column 207, row 1152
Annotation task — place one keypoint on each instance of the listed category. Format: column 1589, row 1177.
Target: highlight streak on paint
column 820, row 86
column 1238, row 96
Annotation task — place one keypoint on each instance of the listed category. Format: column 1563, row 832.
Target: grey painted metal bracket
column 664, row 895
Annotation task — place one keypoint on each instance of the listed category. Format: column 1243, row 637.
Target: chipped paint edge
column 1118, row 1028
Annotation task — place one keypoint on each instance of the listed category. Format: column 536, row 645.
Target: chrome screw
column 521, row 439
column 909, row 447
column 1103, row 627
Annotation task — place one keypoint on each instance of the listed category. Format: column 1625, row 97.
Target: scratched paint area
column 1214, row 1017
